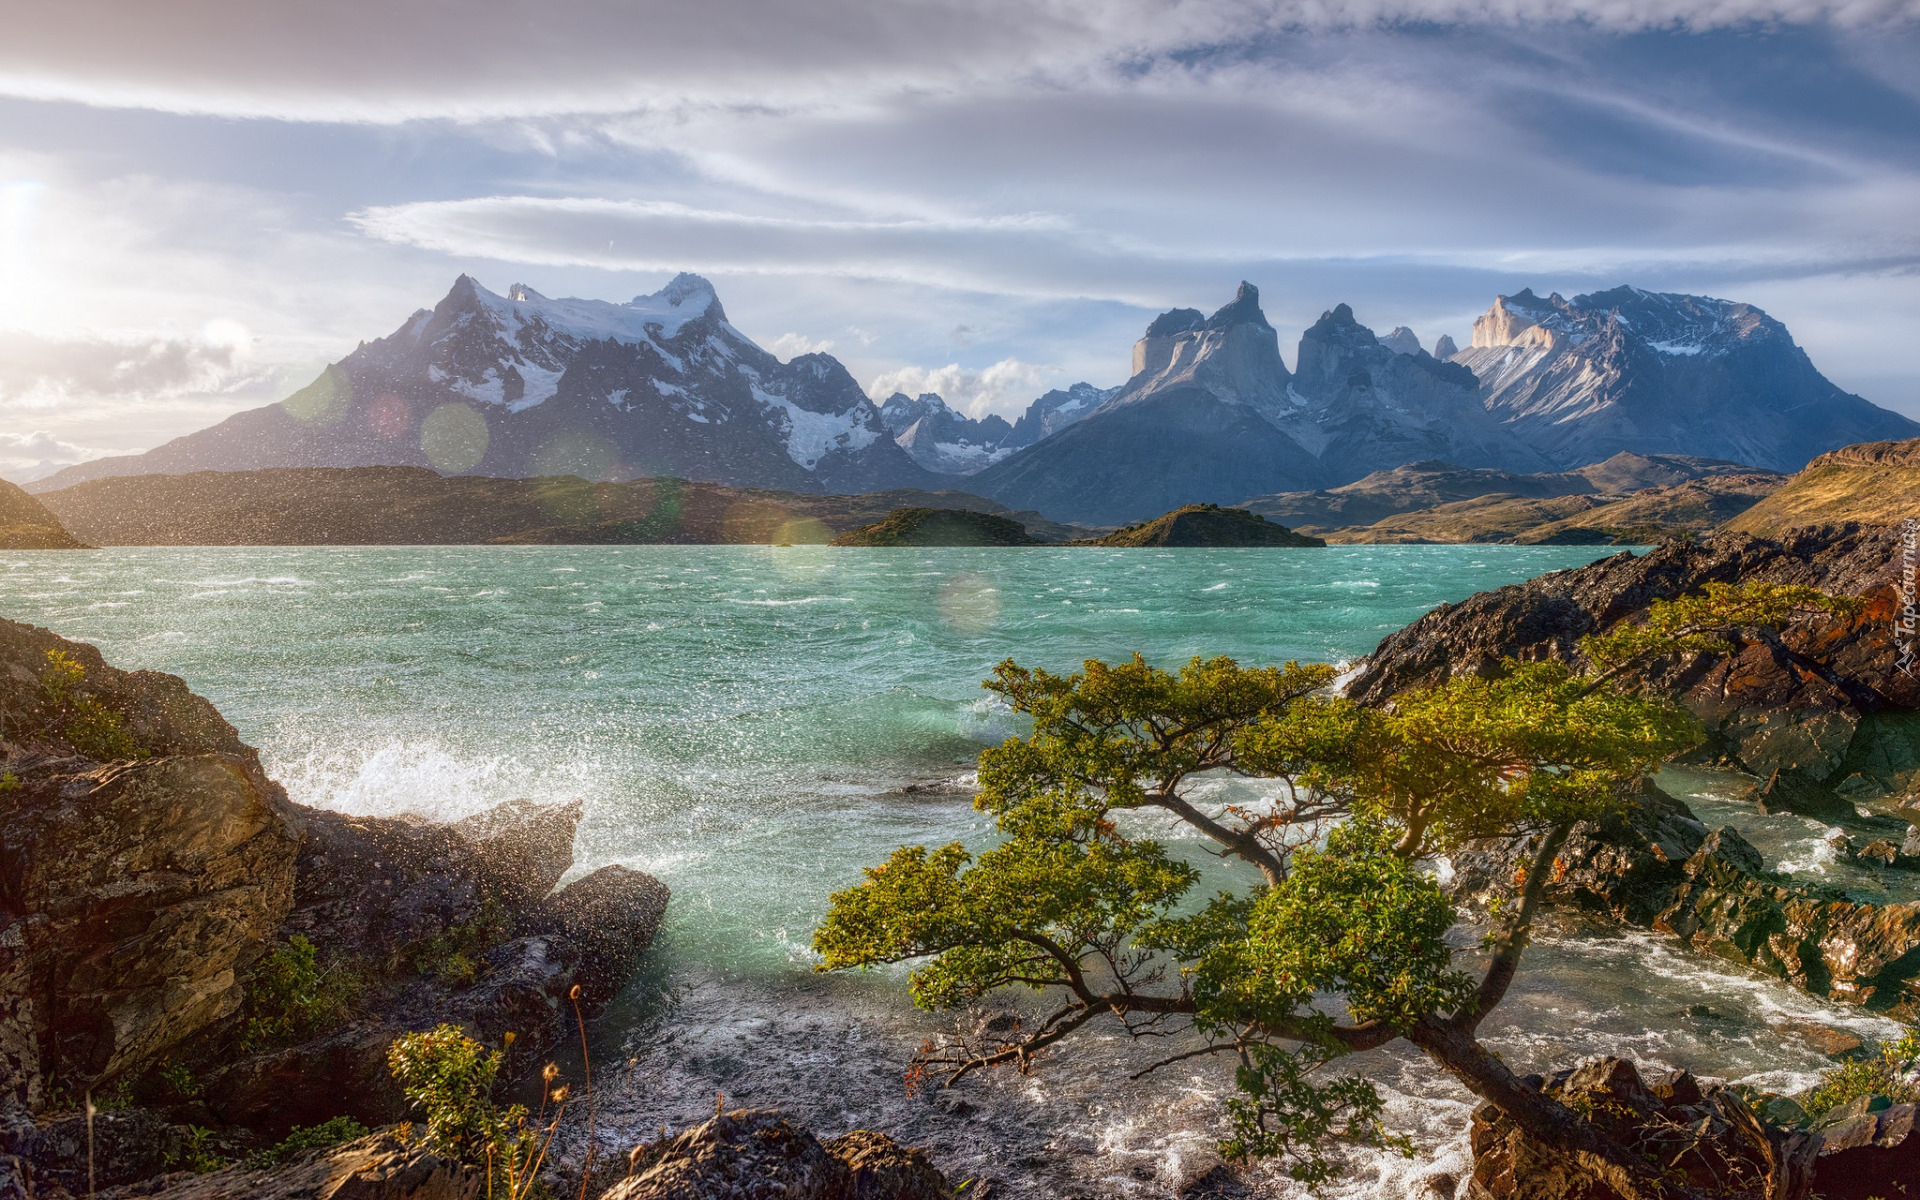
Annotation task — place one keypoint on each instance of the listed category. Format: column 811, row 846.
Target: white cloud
column 29, row 456
column 1006, row 387
column 792, row 345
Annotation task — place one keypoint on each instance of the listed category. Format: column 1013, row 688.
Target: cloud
column 501, row 60
column 41, row 372
column 792, row 345
column 29, row 456
column 1006, row 387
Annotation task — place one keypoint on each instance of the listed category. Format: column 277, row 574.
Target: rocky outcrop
column 1823, row 711
column 1655, row 865
column 380, row 1167
column 437, row 923
column 198, row 953
column 939, row 527
column 25, row 524
column 145, row 861
column 757, row 1154
column 1699, row 1131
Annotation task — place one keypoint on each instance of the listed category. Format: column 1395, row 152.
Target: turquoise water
column 756, row 724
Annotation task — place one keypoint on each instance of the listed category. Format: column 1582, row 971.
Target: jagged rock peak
column 1176, row 321
column 1243, row 310
column 1402, row 341
column 1444, row 347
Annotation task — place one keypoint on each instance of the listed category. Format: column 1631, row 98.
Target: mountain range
column 523, row 385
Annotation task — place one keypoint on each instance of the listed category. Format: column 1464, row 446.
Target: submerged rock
column 1656, row 866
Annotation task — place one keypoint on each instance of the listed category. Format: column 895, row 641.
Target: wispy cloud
column 1006, row 387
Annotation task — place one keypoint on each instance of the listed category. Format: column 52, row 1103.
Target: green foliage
column 180, row 1081
column 1890, row 1073
column 291, row 997
column 93, row 729
column 1337, row 938
column 8, row 782
column 1708, row 621
column 199, row 1155
column 452, row 955
column 1281, row 1113
column 300, row 1139
column 450, row 1078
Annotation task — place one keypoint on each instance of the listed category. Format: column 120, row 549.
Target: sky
column 203, row 202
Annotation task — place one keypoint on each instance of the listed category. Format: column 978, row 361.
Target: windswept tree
column 1339, row 940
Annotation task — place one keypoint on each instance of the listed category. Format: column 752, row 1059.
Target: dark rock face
column 1868, row 1149
column 1660, row 373
column 662, row 385
column 1656, row 866
column 380, row 1167
column 1827, row 709
column 756, row 1154
column 393, row 901
column 1697, row 1128
column 133, row 893
column 942, row 440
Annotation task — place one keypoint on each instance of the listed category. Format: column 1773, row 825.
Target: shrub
column 313, row 1137
column 450, row 1078
column 8, row 782
column 180, row 1080
column 93, row 729
column 1894, row 1073
column 453, row 955
column 291, row 997
column 199, row 1154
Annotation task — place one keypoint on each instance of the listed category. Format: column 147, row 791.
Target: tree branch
column 1513, row 939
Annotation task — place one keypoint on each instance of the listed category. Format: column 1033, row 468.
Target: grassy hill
column 1877, row 483
column 1205, row 525
column 939, row 527
column 25, row 524
column 1649, row 515
column 322, row 506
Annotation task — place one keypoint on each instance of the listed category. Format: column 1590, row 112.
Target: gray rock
column 380, row 1167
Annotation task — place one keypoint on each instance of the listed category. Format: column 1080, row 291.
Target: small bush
column 1891, row 1073
column 93, row 729
column 313, row 1137
column 199, row 1154
column 180, row 1081
column 8, row 782
column 291, row 997
column 450, row 1077
column 453, row 955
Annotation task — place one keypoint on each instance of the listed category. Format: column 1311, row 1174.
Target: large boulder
column 1824, row 707
column 380, row 1167
column 145, row 861
column 439, row 923
column 1700, row 1131
column 757, row 1154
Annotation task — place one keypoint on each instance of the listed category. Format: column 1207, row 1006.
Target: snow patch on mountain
column 811, row 436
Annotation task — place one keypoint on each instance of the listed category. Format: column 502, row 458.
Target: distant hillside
column 939, row 527
column 1649, row 515
column 1877, row 483
column 25, row 524
column 1206, row 525
column 321, row 506
column 1425, row 485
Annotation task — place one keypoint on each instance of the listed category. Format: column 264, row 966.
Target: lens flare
column 389, row 416
column 969, row 602
column 454, row 438
column 322, row 402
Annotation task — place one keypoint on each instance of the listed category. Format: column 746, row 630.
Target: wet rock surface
column 1657, row 866
column 1822, row 715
